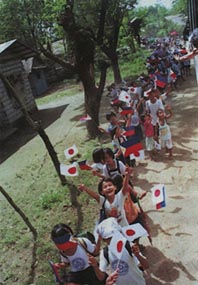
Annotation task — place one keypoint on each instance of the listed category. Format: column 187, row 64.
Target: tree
column 180, row 7
column 92, row 26
column 106, row 24
column 84, row 52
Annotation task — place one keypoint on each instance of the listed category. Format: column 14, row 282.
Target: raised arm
column 128, row 172
column 90, row 192
column 170, row 112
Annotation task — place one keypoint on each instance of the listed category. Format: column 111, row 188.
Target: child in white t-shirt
column 128, row 269
column 74, row 252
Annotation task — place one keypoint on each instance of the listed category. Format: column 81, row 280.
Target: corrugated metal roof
column 5, row 45
column 14, row 49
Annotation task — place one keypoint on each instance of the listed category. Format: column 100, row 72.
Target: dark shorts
column 86, row 276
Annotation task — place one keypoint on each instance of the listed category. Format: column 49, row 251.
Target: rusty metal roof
column 14, row 49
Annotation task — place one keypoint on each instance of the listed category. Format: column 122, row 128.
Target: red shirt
column 148, row 129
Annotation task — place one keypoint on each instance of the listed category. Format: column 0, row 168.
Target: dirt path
column 174, row 255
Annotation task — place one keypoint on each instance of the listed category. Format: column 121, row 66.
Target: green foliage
column 155, row 23
column 180, row 7
column 52, row 196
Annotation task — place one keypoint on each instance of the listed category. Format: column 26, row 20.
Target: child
column 112, row 166
column 152, row 105
column 131, row 211
column 113, row 123
column 113, row 203
column 99, row 160
column 74, row 253
column 149, row 134
column 164, row 130
column 130, row 265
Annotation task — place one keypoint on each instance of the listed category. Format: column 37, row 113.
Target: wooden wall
column 14, row 71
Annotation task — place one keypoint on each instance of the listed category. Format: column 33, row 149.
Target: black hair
column 118, row 181
column 109, row 151
column 108, row 179
column 194, row 38
column 109, row 115
column 60, row 230
column 98, row 155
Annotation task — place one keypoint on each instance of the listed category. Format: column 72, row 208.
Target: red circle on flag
column 127, row 97
column 71, row 151
column 119, row 246
column 72, row 170
column 130, row 232
column 136, row 153
column 157, row 193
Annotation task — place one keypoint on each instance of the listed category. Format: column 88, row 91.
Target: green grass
column 71, row 91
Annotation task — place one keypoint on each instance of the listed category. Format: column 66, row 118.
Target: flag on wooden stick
column 71, row 151
column 69, row 170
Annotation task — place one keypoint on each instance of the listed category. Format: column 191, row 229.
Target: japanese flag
column 85, row 118
column 124, row 97
column 134, row 231
column 139, row 155
column 133, row 89
column 164, row 96
column 117, row 244
column 71, row 151
column 69, row 170
column 158, row 196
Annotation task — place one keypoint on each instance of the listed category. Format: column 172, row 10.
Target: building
column 12, row 55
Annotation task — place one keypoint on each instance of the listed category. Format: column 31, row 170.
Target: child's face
column 108, row 189
column 148, row 118
column 108, row 159
column 160, row 114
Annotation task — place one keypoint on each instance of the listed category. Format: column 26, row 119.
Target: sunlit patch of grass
column 71, row 91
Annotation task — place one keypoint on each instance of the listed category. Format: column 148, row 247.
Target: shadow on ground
column 24, row 133
column 163, row 269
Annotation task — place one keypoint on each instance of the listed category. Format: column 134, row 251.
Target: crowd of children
column 138, row 120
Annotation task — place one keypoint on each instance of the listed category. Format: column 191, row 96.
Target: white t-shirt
column 116, row 207
column 152, row 109
column 79, row 261
column 98, row 166
column 129, row 272
column 118, row 170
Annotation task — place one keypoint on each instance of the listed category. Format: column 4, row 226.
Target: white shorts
column 150, row 143
column 167, row 143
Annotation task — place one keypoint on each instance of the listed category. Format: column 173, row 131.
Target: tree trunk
column 92, row 97
column 84, row 49
column 37, row 127
column 116, row 69
column 112, row 55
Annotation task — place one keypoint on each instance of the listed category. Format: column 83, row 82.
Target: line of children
column 114, row 189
